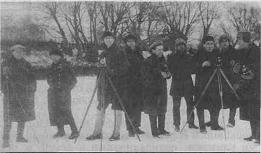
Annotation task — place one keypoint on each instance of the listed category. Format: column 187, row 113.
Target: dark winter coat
column 116, row 68
column 249, row 90
column 61, row 81
column 134, row 94
column 211, row 98
column 155, row 86
column 18, row 86
column 181, row 66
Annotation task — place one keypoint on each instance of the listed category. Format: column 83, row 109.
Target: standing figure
column 182, row 66
column 115, row 68
column 208, row 59
column 18, row 84
column 155, row 72
column 61, row 81
column 249, row 85
column 134, row 100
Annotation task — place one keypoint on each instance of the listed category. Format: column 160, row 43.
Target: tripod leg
column 200, row 98
column 229, row 84
column 221, row 99
column 90, row 102
column 122, row 106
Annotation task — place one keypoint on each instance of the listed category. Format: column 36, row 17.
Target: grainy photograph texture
column 130, row 76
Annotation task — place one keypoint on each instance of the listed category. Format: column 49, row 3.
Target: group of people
column 135, row 81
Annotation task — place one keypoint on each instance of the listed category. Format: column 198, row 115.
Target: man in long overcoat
column 18, row 86
column 182, row 65
column 133, row 99
column 115, row 67
column 208, row 59
column 61, row 81
column 249, row 85
column 155, row 73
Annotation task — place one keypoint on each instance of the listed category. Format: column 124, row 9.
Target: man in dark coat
column 18, row 86
column 116, row 68
column 133, row 99
column 224, row 45
column 61, row 81
column 249, row 85
column 207, row 63
column 182, row 65
column 155, row 73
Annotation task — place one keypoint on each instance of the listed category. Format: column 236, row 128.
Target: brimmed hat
column 56, row 52
column 106, row 34
column 154, row 45
column 207, row 38
column 245, row 35
column 223, row 38
column 130, row 36
column 15, row 47
column 179, row 41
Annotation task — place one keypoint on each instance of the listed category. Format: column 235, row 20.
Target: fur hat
column 154, row 45
column 56, row 52
column 130, row 36
column 106, row 34
column 208, row 38
column 223, row 38
column 244, row 35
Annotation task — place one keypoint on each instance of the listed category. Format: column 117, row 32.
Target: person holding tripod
column 18, row 84
column 115, row 66
column 208, row 60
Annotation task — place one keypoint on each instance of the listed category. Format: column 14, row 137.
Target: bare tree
column 245, row 18
column 52, row 11
column 208, row 13
column 180, row 17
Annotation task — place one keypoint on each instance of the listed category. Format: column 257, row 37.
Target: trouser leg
column 6, row 130
column 161, row 122
column 153, row 125
column 232, row 114
column 201, row 118
column 176, row 110
column 20, row 129
column 190, row 113
column 72, row 122
column 117, row 122
column 214, row 114
column 100, row 116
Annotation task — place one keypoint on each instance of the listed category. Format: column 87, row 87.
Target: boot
column 94, row 137
column 74, row 135
column 114, row 138
column 60, row 132
column 161, row 125
column 153, row 125
column 20, row 132
column 203, row 130
column 201, row 120
column 139, row 131
column 249, row 138
column 193, row 126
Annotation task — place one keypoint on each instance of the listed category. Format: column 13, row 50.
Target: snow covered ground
column 39, row 132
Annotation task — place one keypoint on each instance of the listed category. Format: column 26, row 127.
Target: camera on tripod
column 219, row 61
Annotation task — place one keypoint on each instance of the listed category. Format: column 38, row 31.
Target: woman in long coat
column 154, row 73
column 18, row 86
column 61, row 81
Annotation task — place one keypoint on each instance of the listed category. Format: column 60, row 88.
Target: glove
column 236, row 68
column 206, row 64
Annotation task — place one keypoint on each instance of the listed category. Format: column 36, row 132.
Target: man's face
column 224, row 45
column 131, row 43
column 158, row 51
column 55, row 58
column 181, row 47
column 19, row 53
column 109, row 40
column 209, row 46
